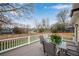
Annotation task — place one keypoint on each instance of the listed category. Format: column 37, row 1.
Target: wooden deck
column 34, row 49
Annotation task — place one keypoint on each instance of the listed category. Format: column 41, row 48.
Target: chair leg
column 58, row 54
column 43, row 48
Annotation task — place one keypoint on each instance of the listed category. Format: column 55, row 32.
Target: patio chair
column 42, row 42
column 41, row 39
column 49, row 49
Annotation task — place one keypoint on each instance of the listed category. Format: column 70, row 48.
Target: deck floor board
column 34, row 49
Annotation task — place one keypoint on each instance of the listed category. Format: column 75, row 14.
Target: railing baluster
column 28, row 39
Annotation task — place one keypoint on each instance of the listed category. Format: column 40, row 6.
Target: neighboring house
column 6, row 31
column 75, row 20
column 69, row 29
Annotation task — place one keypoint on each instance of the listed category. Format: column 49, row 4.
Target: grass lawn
column 68, row 36
column 6, row 36
column 65, row 35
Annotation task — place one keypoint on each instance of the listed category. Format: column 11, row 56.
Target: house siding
column 75, row 20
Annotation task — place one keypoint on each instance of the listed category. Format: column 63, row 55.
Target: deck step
column 72, row 52
column 72, row 49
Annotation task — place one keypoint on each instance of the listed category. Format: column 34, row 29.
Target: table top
column 63, row 45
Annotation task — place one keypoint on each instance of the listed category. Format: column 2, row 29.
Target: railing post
column 28, row 39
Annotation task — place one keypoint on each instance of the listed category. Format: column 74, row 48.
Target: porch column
column 76, row 37
column 76, row 34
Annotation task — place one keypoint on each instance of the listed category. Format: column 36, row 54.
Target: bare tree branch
column 19, row 9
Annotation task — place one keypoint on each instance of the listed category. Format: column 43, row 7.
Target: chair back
column 50, row 48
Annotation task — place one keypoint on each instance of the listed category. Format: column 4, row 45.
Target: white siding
column 75, row 18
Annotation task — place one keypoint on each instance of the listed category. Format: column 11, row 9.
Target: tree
column 62, row 16
column 43, row 26
column 19, row 9
column 13, row 9
column 27, row 29
column 57, row 28
column 17, row 30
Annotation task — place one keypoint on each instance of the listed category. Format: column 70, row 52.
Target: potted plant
column 55, row 39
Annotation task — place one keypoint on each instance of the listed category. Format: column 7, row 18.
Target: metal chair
column 49, row 49
column 41, row 39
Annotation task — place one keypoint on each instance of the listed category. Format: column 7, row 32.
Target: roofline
column 73, row 10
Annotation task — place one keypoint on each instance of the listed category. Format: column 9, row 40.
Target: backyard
column 12, row 41
column 65, row 35
column 24, row 28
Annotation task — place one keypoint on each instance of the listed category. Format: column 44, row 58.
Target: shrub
column 56, row 39
column 16, row 30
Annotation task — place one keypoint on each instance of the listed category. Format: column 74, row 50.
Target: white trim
column 17, row 46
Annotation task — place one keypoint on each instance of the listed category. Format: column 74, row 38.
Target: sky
column 45, row 11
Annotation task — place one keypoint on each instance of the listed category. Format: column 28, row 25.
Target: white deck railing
column 12, row 43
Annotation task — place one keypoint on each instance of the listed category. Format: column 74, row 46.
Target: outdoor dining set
column 64, row 49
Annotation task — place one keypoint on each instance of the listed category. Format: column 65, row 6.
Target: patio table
column 62, row 48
